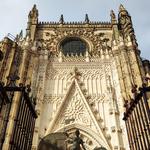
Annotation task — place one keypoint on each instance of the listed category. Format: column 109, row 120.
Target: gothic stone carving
column 96, row 40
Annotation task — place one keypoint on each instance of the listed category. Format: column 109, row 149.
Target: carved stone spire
column 123, row 13
column 61, row 20
column 87, row 18
column 32, row 22
column 19, row 36
column 121, row 8
column 125, row 23
column 33, row 14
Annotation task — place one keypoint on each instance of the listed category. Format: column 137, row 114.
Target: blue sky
column 13, row 15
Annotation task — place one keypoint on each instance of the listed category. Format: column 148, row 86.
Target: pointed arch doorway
column 90, row 138
column 59, row 139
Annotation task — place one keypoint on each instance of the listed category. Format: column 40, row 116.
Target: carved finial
column 113, row 17
column 34, row 7
column 125, row 24
column 121, row 8
column 19, row 36
column 112, row 14
column 122, row 11
column 87, row 18
column 61, row 20
column 34, row 12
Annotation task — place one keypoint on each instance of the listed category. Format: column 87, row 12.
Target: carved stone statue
column 76, row 142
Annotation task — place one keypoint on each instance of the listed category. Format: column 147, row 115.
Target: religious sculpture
column 76, row 142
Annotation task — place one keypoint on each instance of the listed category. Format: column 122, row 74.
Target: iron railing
column 23, row 129
column 137, row 119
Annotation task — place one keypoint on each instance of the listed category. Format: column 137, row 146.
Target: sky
column 14, row 14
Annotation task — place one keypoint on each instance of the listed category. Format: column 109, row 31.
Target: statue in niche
column 76, row 142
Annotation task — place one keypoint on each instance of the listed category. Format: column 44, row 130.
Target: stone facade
column 79, row 91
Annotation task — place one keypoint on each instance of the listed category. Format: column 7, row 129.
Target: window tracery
column 73, row 46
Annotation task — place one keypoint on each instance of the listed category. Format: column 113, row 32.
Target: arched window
column 73, row 46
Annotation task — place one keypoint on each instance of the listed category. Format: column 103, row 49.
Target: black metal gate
column 137, row 119
column 21, row 138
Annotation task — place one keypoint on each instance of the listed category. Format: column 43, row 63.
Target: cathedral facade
column 80, row 74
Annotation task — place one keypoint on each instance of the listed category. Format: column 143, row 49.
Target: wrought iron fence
column 25, row 117
column 137, row 119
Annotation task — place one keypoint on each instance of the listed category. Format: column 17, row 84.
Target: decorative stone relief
column 93, row 84
column 74, row 111
column 51, row 39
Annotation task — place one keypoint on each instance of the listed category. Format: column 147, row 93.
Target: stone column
column 137, row 69
column 126, row 70
column 9, row 62
column 43, row 61
column 7, row 56
column 116, row 53
column 114, row 115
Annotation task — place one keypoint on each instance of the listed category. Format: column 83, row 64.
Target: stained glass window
column 73, row 46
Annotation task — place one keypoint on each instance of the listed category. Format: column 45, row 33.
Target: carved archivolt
column 90, row 138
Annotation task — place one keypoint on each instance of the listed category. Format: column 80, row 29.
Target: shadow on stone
column 53, row 141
